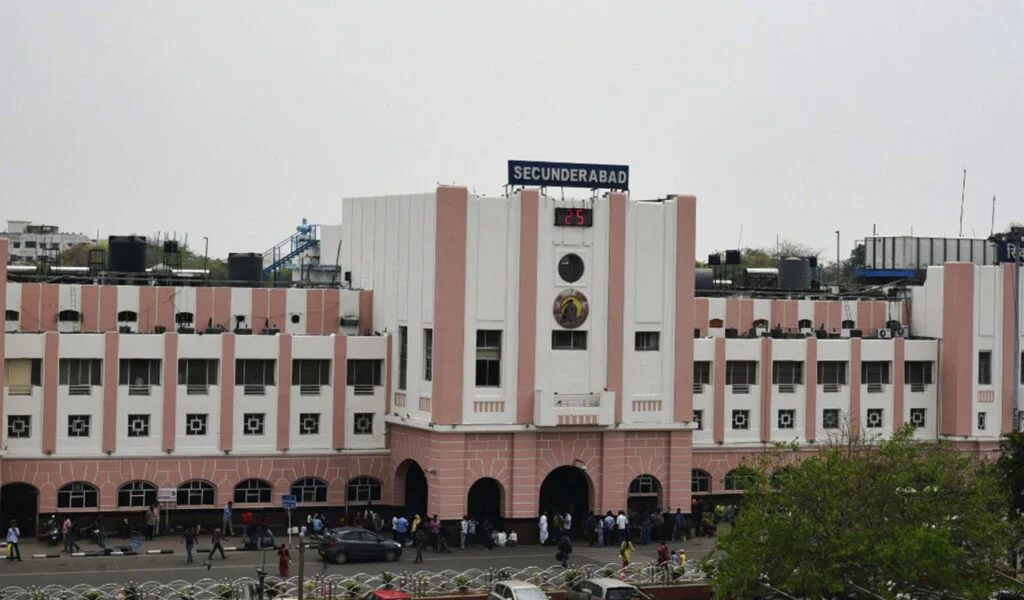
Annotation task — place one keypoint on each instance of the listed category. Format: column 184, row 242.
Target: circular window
column 570, row 268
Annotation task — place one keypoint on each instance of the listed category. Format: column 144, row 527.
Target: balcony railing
column 254, row 389
column 876, row 388
column 918, row 388
column 197, row 389
column 78, row 389
column 309, row 389
column 787, row 388
column 138, row 389
column 741, row 388
column 363, row 389
column 831, row 388
column 698, row 388
column 552, row 409
column 19, row 390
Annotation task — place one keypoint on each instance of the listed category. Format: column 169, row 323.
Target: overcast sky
column 234, row 120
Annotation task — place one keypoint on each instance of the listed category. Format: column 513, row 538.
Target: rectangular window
column 309, row 423
column 310, row 374
column 138, row 425
column 831, row 374
column 80, row 372
column 830, row 418
column 139, row 374
column 741, row 419
column 787, row 419
column 198, row 374
column 876, row 418
column 488, row 358
column 568, row 340
column 19, row 426
column 22, row 374
column 365, row 374
column 255, row 372
column 698, row 418
column 79, row 425
column 918, row 417
column 702, row 372
column 741, row 372
column 363, row 424
column 875, row 372
column 253, row 423
column 403, row 356
column 787, row 372
column 30, row 244
column 985, row 367
column 428, row 355
column 917, row 374
column 195, row 424
column 648, row 341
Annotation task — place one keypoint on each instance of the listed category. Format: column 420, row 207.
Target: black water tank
column 126, row 254
column 245, row 267
column 733, row 257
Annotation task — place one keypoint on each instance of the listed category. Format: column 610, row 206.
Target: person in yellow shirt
column 626, row 553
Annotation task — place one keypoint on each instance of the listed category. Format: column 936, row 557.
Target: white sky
column 234, row 120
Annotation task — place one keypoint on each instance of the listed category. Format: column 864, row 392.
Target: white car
column 604, row 588
column 516, row 590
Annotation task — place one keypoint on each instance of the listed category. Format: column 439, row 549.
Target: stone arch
column 486, row 500
column 20, row 501
column 645, row 493
column 411, row 488
column 567, row 489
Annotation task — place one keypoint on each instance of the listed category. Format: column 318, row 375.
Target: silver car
column 512, row 589
column 604, row 588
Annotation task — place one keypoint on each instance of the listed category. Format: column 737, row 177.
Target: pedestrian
column 564, row 550
column 72, row 538
column 284, row 560
column 248, row 532
column 226, row 527
column 218, row 537
column 420, row 542
column 543, row 525
column 463, row 531
column 189, row 539
column 150, row 524
column 64, row 530
column 663, row 556
column 626, row 549
column 13, row 535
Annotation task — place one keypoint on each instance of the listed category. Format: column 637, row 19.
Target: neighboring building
column 517, row 354
column 30, row 243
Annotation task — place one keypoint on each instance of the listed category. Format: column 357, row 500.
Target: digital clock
column 574, row 217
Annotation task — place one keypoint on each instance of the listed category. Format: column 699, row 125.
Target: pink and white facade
column 476, row 351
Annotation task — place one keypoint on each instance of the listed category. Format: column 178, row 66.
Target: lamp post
column 838, row 264
column 302, row 566
column 206, row 257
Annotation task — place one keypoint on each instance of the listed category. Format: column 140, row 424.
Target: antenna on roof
column 739, row 242
column 963, row 190
column 993, row 230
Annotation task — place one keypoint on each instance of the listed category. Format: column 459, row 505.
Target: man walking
column 217, row 539
column 189, row 539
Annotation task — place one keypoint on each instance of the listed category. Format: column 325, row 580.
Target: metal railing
column 78, row 389
column 139, row 389
column 918, row 388
column 19, row 390
column 698, row 388
column 197, row 389
column 831, row 388
column 309, row 389
column 576, row 400
column 363, row 389
column 876, row 388
column 740, row 388
column 787, row 388
column 254, row 389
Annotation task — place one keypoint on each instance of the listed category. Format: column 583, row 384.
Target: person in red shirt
column 247, row 527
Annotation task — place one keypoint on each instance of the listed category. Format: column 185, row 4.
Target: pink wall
column 204, row 308
column 811, row 401
column 49, row 306
column 314, row 312
column 449, row 304
column 616, row 297
column 51, row 363
column 702, row 311
column 332, row 312
column 855, row 362
column 1009, row 276
column 260, row 309
column 222, row 309
column 90, row 308
column 284, row 391
column 3, row 332
column 957, row 387
column 111, row 341
column 766, row 389
column 686, row 250
column 165, row 308
column 227, row 391
column 529, row 228
column 365, row 312
column 147, row 308
column 108, row 308
column 279, row 309
column 340, row 383
column 899, row 389
column 719, row 385
column 30, row 305
column 170, row 412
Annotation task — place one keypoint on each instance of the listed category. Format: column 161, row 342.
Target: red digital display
column 574, row 217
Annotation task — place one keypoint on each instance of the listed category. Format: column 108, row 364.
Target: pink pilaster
column 449, row 304
column 147, row 307
column 204, row 308
column 279, row 309
column 957, row 349
column 49, row 306
column 170, row 385
column 365, row 312
column 718, row 372
column 31, row 294
column 165, row 308
column 701, row 315
column 1009, row 276
column 108, row 307
column 766, row 390
column 617, row 298
column 51, row 374
column 680, row 461
column 686, row 250
column 811, row 400
column 614, row 483
column 340, row 383
column 111, row 341
column 90, row 308
column 526, row 363
column 855, row 380
column 284, row 391
column 227, row 391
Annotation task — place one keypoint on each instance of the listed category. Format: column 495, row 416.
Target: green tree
column 891, row 517
column 78, row 256
column 1010, row 466
column 769, row 256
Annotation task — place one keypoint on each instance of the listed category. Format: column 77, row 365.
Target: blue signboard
column 1011, row 252
column 574, row 175
column 289, row 502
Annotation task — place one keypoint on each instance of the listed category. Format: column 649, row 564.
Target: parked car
column 387, row 595
column 512, row 589
column 605, row 588
column 354, row 543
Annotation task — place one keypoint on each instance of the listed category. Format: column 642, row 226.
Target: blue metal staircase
column 284, row 252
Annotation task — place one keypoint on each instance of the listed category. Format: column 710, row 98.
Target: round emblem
column 571, row 309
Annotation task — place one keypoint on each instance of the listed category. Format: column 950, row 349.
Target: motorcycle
column 50, row 532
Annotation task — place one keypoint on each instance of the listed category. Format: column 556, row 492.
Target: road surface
column 69, row 571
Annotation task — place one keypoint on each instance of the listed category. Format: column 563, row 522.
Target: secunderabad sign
column 574, row 175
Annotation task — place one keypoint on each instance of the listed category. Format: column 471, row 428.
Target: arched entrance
column 567, row 490
column 644, row 494
column 415, row 488
column 20, row 501
column 485, row 501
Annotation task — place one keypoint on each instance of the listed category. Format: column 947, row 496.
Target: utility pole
column 206, row 257
column 838, row 265
column 1016, row 334
column 302, row 566
column 963, row 191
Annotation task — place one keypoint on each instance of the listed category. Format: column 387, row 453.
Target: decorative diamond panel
column 195, row 424
column 252, row 423
column 78, row 425
column 363, row 424
column 874, row 418
column 309, row 423
column 19, row 426
column 787, row 419
column 830, row 418
column 917, row 417
column 741, row 419
column 138, row 426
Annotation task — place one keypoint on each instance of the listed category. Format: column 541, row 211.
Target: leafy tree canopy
column 866, row 520
column 78, row 256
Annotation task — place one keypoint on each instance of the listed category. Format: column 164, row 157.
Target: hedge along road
column 70, row 571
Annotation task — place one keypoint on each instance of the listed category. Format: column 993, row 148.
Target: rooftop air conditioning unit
column 885, row 333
